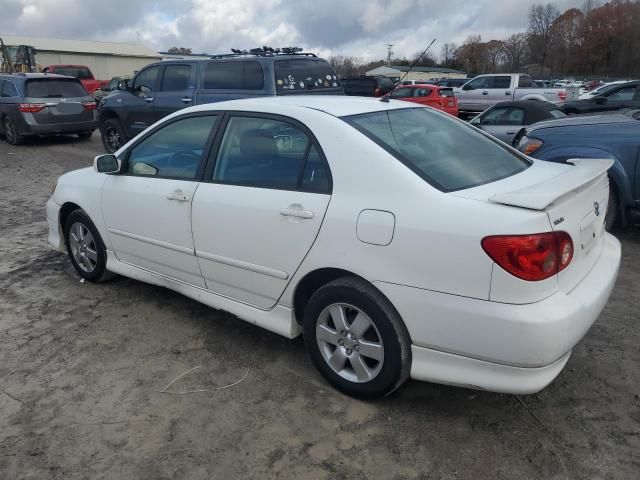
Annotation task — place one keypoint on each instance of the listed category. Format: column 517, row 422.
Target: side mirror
column 601, row 100
column 123, row 85
column 106, row 164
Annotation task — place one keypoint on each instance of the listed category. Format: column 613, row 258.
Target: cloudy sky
column 341, row 27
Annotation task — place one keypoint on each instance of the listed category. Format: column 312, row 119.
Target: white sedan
column 399, row 240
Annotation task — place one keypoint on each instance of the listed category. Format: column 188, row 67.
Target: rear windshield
column 443, row 151
column 385, row 83
column 58, row 88
column 297, row 76
column 78, row 72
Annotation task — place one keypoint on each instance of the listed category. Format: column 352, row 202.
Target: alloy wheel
column 349, row 342
column 112, row 137
column 9, row 131
column 83, row 247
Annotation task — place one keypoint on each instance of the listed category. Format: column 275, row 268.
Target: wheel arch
column 108, row 114
column 65, row 211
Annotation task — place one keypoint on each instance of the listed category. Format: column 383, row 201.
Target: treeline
column 596, row 40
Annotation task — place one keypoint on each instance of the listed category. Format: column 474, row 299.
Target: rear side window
column 500, row 82
column 308, row 74
column 234, row 75
column 79, row 72
column 447, row 92
column 525, row 82
column 54, row 88
column 176, row 77
column 401, row 93
column 385, row 83
column 422, row 92
column 9, row 89
column 444, row 152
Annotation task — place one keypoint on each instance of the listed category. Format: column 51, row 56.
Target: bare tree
column 345, row 66
column 494, row 49
column 514, row 50
column 541, row 19
column 448, row 54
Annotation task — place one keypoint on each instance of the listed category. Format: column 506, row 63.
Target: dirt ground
column 81, row 366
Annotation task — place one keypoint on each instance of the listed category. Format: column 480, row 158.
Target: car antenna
column 385, row 98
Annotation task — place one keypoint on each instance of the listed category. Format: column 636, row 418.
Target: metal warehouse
column 105, row 59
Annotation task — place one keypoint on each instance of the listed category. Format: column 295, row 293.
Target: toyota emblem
column 596, row 208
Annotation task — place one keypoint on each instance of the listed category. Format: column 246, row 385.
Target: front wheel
column 112, row 135
column 85, row 247
column 356, row 339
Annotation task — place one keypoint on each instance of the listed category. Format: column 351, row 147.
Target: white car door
column 473, row 95
column 259, row 208
column 147, row 207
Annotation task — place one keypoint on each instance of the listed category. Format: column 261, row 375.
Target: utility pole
column 389, row 53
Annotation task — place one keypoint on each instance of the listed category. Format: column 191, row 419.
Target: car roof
column 232, row 58
column 535, row 111
column 335, row 105
column 26, row 76
column 584, row 120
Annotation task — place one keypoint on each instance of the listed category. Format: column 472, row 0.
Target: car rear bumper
column 504, row 341
column 55, row 128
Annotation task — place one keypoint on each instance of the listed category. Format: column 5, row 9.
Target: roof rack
column 265, row 51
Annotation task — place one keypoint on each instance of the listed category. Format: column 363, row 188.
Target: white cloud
column 355, row 27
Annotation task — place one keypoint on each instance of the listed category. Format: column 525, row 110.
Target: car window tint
column 504, row 116
column 147, row 78
column 233, row 75
column 622, row 95
column 261, row 152
column 172, row 151
column 54, row 88
column 9, row 89
column 316, row 176
column 526, row 82
column 444, row 152
column 500, row 82
column 422, row 92
column 401, row 93
column 176, row 77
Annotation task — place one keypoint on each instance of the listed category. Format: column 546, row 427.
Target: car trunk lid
column 573, row 196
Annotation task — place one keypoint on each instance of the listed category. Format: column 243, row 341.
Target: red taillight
column 562, row 95
column 531, row 257
column 31, row 107
column 89, row 105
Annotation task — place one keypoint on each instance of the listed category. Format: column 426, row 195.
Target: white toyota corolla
column 399, row 240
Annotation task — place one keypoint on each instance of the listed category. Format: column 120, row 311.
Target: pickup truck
column 81, row 72
column 484, row 91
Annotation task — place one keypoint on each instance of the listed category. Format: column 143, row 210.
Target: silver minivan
column 44, row 104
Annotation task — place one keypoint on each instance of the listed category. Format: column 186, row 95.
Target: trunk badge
column 596, row 208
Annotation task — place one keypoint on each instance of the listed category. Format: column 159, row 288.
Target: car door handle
column 185, row 100
column 507, row 92
column 148, row 99
column 485, row 93
column 178, row 196
column 511, row 133
column 296, row 212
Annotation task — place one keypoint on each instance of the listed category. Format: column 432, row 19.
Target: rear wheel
column 356, row 339
column 112, row 135
column 10, row 132
column 85, row 247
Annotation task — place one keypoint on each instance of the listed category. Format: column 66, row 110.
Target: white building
column 105, row 59
column 417, row 73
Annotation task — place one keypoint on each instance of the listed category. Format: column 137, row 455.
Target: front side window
column 477, row 83
column 175, row 78
column 233, row 75
column 263, row 152
column 147, row 79
column 622, row 95
column 173, row 151
column 443, row 151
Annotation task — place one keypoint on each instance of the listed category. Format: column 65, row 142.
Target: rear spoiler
column 541, row 195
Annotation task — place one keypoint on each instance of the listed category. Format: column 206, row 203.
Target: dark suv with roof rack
column 44, row 104
column 164, row 87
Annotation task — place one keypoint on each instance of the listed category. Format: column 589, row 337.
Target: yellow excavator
column 17, row 58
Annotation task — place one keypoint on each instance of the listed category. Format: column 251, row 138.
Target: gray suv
column 164, row 87
column 44, row 104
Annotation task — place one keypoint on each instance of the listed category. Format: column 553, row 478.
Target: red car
column 81, row 72
column 441, row 98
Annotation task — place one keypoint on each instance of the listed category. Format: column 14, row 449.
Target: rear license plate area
column 592, row 226
column 70, row 108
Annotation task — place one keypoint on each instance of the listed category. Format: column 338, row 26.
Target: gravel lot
column 81, row 366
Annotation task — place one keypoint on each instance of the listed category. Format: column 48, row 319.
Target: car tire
column 613, row 209
column 85, row 135
column 346, row 318
column 10, row 134
column 112, row 135
column 85, row 247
